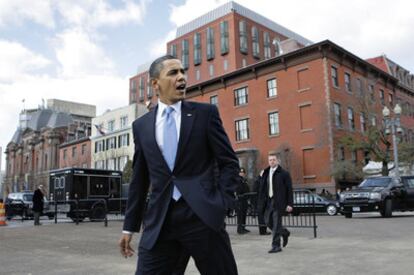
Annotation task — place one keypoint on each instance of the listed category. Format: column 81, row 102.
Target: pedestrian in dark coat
column 37, row 204
column 275, row 199
column 242, row 202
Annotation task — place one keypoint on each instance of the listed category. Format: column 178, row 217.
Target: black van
column 87, row 193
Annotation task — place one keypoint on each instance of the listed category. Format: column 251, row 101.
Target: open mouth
column 181, row 87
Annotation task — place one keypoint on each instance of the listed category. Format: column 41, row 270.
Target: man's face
column 242, row 173
column 171, row 83
column 273, row 162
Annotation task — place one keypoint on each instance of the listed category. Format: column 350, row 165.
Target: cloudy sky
column 85, row 50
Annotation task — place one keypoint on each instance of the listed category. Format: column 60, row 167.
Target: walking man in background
column 242, row 203
column 275, row 197
column 177, row 147
column 37, row 204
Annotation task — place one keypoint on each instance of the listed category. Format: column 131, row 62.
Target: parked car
column 381, row 194
column 20, row 204
column 303, row 203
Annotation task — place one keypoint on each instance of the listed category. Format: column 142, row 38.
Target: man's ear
column 154, row 84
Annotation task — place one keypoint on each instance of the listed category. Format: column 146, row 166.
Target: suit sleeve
column 138, row 188
column 225, row 156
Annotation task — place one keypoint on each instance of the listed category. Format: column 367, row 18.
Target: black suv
column 382, row 194
column 20, row 204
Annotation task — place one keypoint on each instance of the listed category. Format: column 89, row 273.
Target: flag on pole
column 100, row 129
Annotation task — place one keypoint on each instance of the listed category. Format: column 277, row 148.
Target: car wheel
column 331, row 210
column 348, row 215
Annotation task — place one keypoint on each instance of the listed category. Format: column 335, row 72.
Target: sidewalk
column 366, row 244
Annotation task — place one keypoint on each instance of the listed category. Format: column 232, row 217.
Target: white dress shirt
column 160, row 120
column 271, row 171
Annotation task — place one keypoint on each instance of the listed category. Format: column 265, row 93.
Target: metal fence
column 302, row 216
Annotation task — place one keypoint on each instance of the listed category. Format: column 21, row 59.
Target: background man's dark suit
column 283, row 196
column 202, row 143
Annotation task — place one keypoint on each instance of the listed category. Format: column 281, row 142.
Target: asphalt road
column 365, row 244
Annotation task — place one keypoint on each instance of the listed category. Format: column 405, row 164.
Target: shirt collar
column 162, row 106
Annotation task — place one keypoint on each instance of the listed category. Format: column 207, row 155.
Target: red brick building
column 76, row 153
column 297, row 102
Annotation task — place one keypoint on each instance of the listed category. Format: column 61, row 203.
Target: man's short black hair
column 156, row 65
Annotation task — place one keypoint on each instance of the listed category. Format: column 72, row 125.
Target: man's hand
column 289, row 208
column 124, row 245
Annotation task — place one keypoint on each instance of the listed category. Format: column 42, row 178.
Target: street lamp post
column 393, row 122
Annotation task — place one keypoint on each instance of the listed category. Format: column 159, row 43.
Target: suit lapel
column 187, row 118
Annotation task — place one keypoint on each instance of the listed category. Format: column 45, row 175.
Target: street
column 365, row 244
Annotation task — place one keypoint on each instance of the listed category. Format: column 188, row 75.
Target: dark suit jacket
column 37, row 201
column 282, row 188
column 203, row 144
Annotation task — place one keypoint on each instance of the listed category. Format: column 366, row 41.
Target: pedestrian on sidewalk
column 275, row 198
column 37, row 204
column 242, row 202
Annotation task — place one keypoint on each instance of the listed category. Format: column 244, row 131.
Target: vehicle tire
column 80, row 219
column 387, row 208
column 331, row 210
column 51, row 217
column 348, row 215
column 97, row 213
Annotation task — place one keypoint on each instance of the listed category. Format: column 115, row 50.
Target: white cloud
column 16, row 11
column 91, row 14
column 159, row 47
column 78, row 55
column 17, row 61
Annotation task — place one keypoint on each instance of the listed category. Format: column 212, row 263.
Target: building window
column 210, row 43
column 110, row 164
column 111, row 125
column 99, row 146
column 382, row 96
column 360, row 88
column 173, row 50
column 243, row 37
column 122, row 162
column 73, row 152
column 272, row 87
column 362, row 121
column 341, row 153
column 83, row 149
column 373, row 120
column 273, row 123
column 123, row 140
column 124, row 122
column 141, row 88
column 354, row 157
column 224, row 37
column 111, row 143
column 65, row 153
column 244, row 62
column 185, row 52
column 149, row 92
column 351, row 120
column 241, row 96
column 348, row 82
column 214, row 99
column 225, row 65
column 255, row 43
column 334, row 75
column 267, row 45
column 337, row 113
column 242, row 129
column 211, row 70
column 371, row 92
column 197, row 48
column 133, row 86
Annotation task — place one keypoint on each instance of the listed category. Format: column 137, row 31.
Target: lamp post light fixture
column 393, row 122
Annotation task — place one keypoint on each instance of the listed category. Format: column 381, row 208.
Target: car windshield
column 376, row 182
column 28, row 197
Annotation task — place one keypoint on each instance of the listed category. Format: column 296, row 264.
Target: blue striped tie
column 170, row 144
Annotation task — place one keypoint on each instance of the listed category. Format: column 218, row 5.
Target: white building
column 112, row 140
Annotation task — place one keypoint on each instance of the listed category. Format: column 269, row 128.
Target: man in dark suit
column 275, row 197
column 37, row 204
column 242, row 203
column 177, row 146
